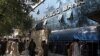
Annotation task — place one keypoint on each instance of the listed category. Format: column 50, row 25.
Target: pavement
column 54, row 54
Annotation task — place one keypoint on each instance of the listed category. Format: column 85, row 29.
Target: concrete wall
column 39, row 36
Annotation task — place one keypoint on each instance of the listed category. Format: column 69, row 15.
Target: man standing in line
column 31, row 48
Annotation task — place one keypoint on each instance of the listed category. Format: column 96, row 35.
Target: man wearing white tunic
column 75, row 50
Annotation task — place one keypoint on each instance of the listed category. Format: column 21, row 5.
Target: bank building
column 74, row 26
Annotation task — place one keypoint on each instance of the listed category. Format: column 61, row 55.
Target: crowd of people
column 75, row 48
column 26, row 47
column 17, row 47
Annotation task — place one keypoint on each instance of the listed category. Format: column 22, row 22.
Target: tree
column 35, row 1
column 13, row 15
